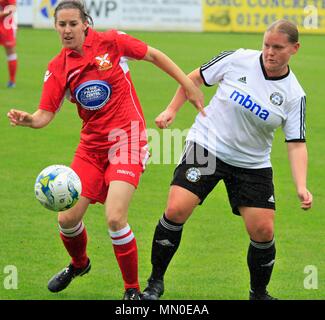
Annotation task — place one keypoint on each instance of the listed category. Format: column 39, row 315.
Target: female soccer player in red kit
column 92, row 71
column 8, row 37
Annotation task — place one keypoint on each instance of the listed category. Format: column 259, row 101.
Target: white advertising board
column 25, row 12
column 156, row 15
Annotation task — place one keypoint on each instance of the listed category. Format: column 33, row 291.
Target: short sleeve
column 213, row 71
column 294, row 127
column 130, row 46
column 53, row 91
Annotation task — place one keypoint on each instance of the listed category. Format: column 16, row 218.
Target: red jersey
column 99, row 84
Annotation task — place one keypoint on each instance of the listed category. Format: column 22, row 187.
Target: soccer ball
column 57, row 188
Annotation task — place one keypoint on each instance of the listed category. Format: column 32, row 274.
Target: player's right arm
column 52, row 97
column 208, row 74
column 37, row 120
column 180, row 97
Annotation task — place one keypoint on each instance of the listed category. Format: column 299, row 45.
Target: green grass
column 211, row 261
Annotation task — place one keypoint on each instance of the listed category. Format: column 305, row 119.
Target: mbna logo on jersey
column 276, row 98
column 93, row 95
column 193, row 174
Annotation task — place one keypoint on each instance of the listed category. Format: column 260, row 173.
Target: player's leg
column 124, row 243
column 251, row 195
column 12, row 65
column 122, row 175
column 8, row 40
column 74, row 237
column 180, row 205
column 259, row 223
column 72, row 228
column 73, row 232
column 194, row 178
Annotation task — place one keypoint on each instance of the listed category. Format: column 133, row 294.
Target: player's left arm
column 162, row 61
column 165, row 118
column 298, row 158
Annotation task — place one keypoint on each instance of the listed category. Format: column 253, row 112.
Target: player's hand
column 165, row 119
column 196, row 97
column 19, row 118
column 306, row 199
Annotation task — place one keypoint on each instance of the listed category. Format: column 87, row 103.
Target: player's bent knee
column 116, row 220
column 71, row 217
column 176, row 213
column 67, row 221
column 263, row 233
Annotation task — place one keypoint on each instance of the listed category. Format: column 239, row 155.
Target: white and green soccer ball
column 57, row 188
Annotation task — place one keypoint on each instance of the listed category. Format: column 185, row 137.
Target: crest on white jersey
column 276, row 98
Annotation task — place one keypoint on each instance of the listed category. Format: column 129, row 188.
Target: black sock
column 260, row 260
column 164, row 245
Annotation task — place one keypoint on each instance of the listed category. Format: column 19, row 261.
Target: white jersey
column 247, row 108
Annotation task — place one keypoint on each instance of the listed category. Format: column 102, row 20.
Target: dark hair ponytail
column 74, row 4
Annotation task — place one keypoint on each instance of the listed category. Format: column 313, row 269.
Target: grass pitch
column 211, row 261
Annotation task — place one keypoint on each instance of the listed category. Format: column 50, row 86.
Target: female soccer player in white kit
column 257, row 93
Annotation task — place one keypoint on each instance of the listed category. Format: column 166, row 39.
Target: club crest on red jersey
column 103, row 62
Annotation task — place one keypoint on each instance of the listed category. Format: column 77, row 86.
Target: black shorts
column 199, row 172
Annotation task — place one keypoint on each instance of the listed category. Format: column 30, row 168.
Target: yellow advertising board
column 256, row 15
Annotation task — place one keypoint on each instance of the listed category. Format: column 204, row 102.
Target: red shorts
column 7, row 36
column 97, row 170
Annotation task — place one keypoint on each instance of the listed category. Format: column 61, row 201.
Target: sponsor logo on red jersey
column 93, row 95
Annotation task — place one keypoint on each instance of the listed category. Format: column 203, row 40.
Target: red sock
column 126, row 252
column 75, row 241
column 12, row 67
